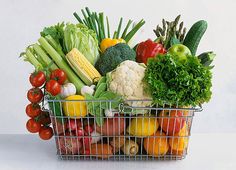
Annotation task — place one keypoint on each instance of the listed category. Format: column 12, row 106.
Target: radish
column 69, row 145
column 73, row 124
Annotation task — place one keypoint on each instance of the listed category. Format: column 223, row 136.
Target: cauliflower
column 127, row 80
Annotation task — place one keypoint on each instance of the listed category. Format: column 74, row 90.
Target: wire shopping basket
column 127, row 132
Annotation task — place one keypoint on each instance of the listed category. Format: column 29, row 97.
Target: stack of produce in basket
column 103, row 99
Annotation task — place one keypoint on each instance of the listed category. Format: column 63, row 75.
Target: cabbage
column 84, row 39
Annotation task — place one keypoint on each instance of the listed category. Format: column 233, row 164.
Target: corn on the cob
column 82, row 67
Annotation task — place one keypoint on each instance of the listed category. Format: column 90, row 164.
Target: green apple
column 180, row 50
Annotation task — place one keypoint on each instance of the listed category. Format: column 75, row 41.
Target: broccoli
column 113, row 56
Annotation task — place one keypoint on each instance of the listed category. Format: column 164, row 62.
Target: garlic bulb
column 68, row 89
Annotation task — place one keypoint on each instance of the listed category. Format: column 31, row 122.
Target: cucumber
column 206, row 58
column 194, row 36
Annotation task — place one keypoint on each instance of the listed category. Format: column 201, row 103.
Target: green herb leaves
column 174, row 83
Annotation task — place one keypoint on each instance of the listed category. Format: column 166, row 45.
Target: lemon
column 142, row 126
column 75, row 108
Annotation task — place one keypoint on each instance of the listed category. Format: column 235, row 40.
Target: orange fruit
column 156, row 145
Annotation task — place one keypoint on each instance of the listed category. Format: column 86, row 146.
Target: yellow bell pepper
column 108, row 42
column 75, row 108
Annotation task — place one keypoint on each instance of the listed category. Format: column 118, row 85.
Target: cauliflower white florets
column 127, row 81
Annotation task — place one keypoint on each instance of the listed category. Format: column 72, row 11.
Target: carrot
column 101, row 150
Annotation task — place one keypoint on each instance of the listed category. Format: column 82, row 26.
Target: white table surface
column 28, row 152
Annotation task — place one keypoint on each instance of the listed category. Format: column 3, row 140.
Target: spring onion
column 95, row 22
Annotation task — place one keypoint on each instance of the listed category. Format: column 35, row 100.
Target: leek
column 61, row 64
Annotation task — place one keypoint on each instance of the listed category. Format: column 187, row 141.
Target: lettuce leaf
column 85, row 40
column 174, row 83
column 56, row 32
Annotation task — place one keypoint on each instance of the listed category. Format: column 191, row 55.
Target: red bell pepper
column 148, row 49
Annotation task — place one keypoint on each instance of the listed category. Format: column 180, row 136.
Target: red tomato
column 33, row 126
column 59, row 75
column 37, row 79
column 35, row 95
column 33, row 110
column 53, row 87
column 171, row 122
column 45, row 133
column 44, row 118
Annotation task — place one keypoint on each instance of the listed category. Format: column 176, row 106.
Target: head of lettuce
column 84, row 39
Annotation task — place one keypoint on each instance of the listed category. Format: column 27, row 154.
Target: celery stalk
column 41, row 53
column 55, row 45
column 31, row 58
column 61, row 64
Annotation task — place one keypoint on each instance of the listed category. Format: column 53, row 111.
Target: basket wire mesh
column 112, row 140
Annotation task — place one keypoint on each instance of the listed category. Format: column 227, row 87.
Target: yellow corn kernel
column 83, row 68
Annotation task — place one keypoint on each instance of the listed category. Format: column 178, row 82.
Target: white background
column 22, row 20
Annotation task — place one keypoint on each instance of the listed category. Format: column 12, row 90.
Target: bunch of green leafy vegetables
column 174, row 83
column 102, row 100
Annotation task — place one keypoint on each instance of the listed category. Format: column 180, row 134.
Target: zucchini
column 194, row 36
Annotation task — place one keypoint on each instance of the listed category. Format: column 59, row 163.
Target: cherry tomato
column 37, row 79
column 44, row 118
column 35, row 95
column 45, row 133
column 33, row 110
column 59, row 75
column 33, row 126
column 53, row 87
